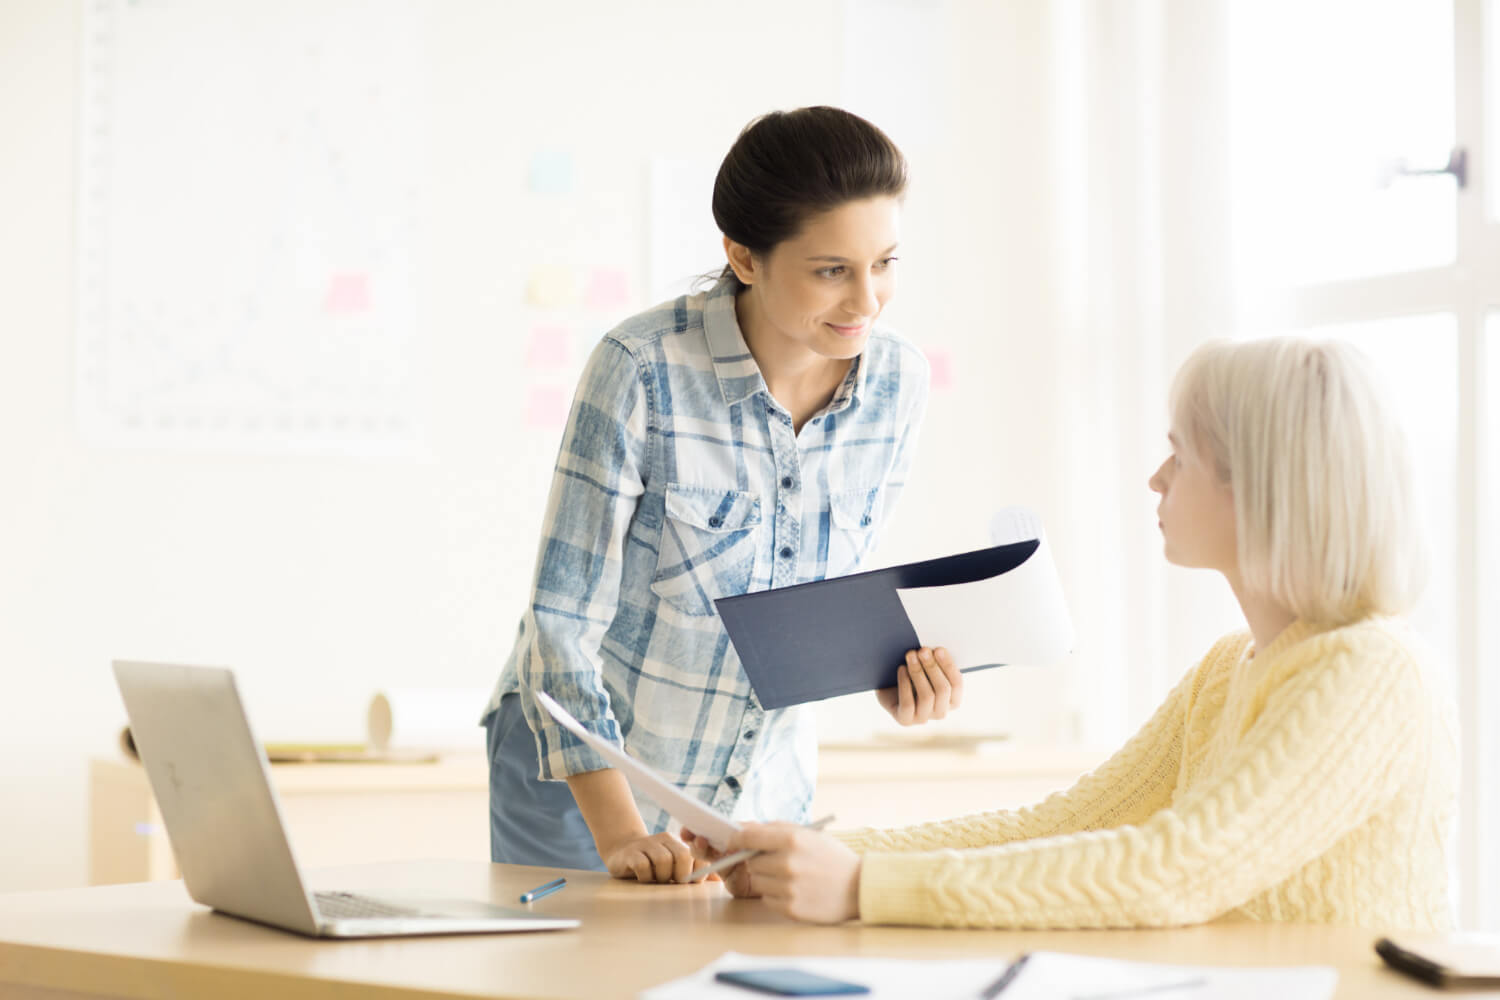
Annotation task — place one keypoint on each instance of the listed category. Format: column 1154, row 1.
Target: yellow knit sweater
column 1313, row 781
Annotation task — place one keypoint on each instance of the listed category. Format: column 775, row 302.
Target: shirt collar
column 739, row 376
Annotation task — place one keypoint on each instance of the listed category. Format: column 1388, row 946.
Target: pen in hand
column 545, row 889
column 728, row 861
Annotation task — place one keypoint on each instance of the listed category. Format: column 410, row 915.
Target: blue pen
column 546, row 889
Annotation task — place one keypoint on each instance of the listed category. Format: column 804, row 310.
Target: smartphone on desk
column 789, row 982
column 1448, row 961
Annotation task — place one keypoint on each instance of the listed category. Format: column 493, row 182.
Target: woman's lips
column 849, row 331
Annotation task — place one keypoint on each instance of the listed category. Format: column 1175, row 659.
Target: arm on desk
column 1126, row 789
column 627, row 849
column 1332, row 744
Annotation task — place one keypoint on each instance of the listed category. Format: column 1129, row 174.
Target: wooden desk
column 150, row 941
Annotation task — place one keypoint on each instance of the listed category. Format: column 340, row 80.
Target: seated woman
column 1303, row 771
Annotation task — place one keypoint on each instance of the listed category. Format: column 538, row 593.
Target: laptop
column 212, row 784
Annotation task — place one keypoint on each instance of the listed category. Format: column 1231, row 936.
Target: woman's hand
column 800, row 873
column 659, row 857
column 705, row 854
column 928, row 686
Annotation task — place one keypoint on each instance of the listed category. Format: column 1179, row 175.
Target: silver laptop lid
column 212, row 783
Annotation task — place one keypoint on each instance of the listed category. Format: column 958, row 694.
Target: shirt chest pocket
column 853, row 516
column 708, row 546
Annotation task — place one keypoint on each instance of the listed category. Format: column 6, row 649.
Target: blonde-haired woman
column 1303, row 771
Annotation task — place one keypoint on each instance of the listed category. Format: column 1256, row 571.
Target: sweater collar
column 1294, row 633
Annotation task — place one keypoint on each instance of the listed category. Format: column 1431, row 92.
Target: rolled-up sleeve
column 596, row 486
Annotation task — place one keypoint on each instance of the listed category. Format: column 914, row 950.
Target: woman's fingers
column 906, row 702
column 955, row 676
column 921, row 686
column 942, row 689
column 640, row 865
column 683, row 862
column 658, row 858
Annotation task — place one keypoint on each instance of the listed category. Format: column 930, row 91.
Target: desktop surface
column 150, row 940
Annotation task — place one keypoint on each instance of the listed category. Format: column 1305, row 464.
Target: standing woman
column 752, row 436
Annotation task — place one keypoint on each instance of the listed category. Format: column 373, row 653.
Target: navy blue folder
column 831, row 637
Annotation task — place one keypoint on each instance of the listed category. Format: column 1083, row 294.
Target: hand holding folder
column 832, row 637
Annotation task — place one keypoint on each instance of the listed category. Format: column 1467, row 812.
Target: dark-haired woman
column 752, row 436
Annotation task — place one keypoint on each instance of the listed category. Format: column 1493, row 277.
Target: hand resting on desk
column 658, row 857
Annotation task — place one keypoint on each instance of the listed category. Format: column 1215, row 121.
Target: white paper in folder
column 415, row 718
column 1017, row 617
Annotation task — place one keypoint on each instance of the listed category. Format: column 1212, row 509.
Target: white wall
column 324, row 579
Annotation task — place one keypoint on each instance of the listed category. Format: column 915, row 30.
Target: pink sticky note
column 348, row 293
column 941, row 362
column 548, row 347
column 546, row 407
column 609, row 288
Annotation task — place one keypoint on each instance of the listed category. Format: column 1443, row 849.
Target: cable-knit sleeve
column 1134, row 783
column 1326, row 750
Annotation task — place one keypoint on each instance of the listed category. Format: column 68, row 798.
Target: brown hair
column 788, row 166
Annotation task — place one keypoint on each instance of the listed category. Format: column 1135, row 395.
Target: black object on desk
column 1447, row 961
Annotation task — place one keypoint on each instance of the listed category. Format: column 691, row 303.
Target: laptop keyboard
column 348, row 906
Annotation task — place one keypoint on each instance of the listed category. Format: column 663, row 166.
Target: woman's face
column 1196, row 513
column 823, row 288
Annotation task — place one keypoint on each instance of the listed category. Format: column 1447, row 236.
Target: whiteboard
column 250, row 180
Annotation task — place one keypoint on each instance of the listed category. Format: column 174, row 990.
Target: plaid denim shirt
column 679, row 480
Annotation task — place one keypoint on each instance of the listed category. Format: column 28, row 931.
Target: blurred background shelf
column 340, row 814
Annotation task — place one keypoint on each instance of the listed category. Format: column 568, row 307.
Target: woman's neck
column 1267, row 618
column 799, row 379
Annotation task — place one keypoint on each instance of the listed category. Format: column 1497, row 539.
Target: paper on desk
column 1051, row 975
column 1016, row 617
column 688, row 811
column 1046, row 976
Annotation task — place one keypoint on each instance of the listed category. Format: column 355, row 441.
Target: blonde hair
column 1302, row 431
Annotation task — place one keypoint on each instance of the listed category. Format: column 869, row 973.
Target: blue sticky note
column 552, row 171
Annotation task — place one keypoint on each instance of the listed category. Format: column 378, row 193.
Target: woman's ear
column 741, row 260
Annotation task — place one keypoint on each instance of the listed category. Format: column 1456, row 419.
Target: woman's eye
column 831, row 272
column 883, row 264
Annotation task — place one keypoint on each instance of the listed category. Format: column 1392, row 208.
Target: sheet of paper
column 1050, row 974
column 690, row 812
column 1016, row 617
column 1015, row 524
column 1046, row 976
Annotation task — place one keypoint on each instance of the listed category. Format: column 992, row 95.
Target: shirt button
column 749, row 734
column 786, row 552
column 786, row 482
column 732, row 782
column 715, row 521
